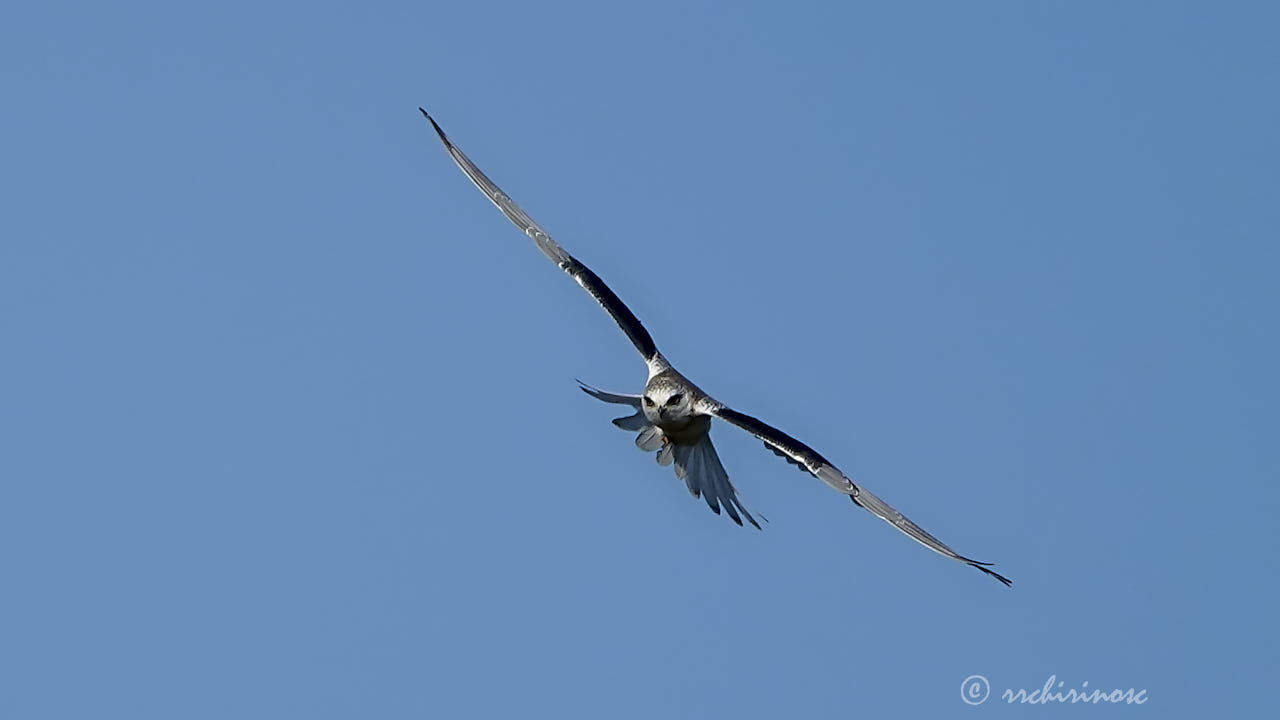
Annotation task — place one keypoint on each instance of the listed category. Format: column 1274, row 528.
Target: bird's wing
column 576, row 270
column 616, row 398
column 631, row 422
column 797, row 453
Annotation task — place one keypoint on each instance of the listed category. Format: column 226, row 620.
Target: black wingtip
column 1007, row 582
column 434, row 124
column 985, row 567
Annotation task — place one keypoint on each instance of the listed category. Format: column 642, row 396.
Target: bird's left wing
column 797, row 453
column 589, row 281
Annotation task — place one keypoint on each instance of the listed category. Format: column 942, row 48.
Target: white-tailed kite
column 673, row 416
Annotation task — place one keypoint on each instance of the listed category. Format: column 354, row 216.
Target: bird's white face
column 668, row 407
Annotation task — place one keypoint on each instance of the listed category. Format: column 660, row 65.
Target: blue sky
column 289, row 417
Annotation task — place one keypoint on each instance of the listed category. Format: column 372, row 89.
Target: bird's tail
column 703, row 473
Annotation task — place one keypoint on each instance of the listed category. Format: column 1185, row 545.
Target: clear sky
column 289, row 421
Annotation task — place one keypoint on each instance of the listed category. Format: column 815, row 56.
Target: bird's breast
column 685, row 429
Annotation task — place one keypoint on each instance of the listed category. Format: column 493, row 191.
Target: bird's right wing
column 797, row 453
column 589, row 281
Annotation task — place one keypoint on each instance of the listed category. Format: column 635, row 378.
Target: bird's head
column 665, row 403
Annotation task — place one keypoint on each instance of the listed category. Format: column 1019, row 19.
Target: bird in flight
column 673, row 416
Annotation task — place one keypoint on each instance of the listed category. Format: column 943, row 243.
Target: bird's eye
column 675, row 398
column 648, row 401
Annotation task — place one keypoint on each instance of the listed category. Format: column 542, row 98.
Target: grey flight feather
column 616, row 398
column 650, row 438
